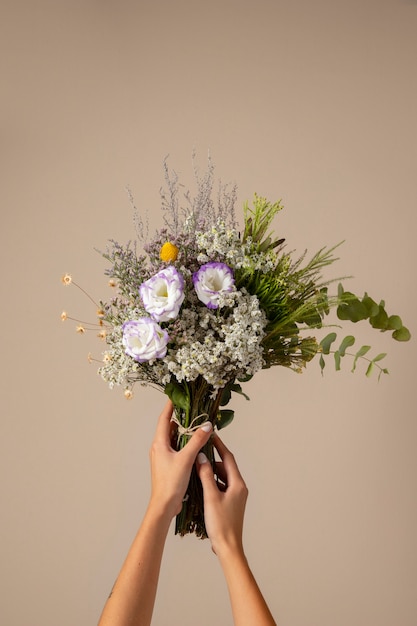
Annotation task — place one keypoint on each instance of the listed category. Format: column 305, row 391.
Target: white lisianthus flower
column 163, row 294
column 144, row 340
column 211, row 280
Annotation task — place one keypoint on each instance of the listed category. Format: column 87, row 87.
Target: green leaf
column 323, row 301
column 382, row 371
column 265, row 244
column 402, row 334
column 351, row 308
column 337, row 356
column 348, row 341
column 371, row 306
column 312, row 319
column 238, row 389
column 224, row 418
column 322, row 364
column 370, row 369
column 326, row 342
column 380, row 320
column 361, row 352
column 277, row 243
column 177, row 395
column 226, row 395
column 394, row 322
column 379, row 357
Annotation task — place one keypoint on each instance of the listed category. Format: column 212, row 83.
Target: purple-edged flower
column 163, row 294
column 211, row 280
column 144, row 339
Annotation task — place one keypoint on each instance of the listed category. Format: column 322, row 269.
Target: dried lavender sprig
column 141, row 225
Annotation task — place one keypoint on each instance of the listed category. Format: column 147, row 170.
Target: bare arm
column 132, row 598
column 224, row 507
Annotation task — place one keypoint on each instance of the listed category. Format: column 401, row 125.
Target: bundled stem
column 194, row 404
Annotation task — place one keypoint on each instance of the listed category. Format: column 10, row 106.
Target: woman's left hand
column 171, row 469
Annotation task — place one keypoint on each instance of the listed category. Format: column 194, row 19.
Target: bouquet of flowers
column 205, row 306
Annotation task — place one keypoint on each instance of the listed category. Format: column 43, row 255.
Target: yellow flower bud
column 169, row 252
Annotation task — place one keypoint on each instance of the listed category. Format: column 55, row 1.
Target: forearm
column 248, row 604
column 132, row 598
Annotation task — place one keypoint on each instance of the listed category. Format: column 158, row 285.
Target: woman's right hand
column 225, row 498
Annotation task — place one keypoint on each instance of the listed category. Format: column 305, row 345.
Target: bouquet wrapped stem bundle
column 194, row 404
column 191, row 517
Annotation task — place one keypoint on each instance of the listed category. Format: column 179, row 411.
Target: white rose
column 211, row 280
column 144, row 339
column 163, row 294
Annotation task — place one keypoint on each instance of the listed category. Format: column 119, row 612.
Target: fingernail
column 207, row 427
column 201, row 458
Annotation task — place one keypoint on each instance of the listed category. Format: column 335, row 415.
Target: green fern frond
column 257, row 221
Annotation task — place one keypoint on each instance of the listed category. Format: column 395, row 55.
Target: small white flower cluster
column 220, row 242
column 263, row 261
column 220, row 348
column 202, row 343
column 117, row 365
column 223, row 243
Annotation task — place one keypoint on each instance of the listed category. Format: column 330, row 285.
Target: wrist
column 228, row 553
column 159, row 513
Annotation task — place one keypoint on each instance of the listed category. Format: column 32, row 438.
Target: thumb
column 197, row 441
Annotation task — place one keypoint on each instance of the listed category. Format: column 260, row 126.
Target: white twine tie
column 182, row 430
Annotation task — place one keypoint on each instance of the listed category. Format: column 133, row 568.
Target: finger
column 197, row 441
column 220, row 446
column 206, row 475
column 163, row 427
column 230, row 468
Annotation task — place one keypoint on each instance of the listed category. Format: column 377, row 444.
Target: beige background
column 310, row 101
